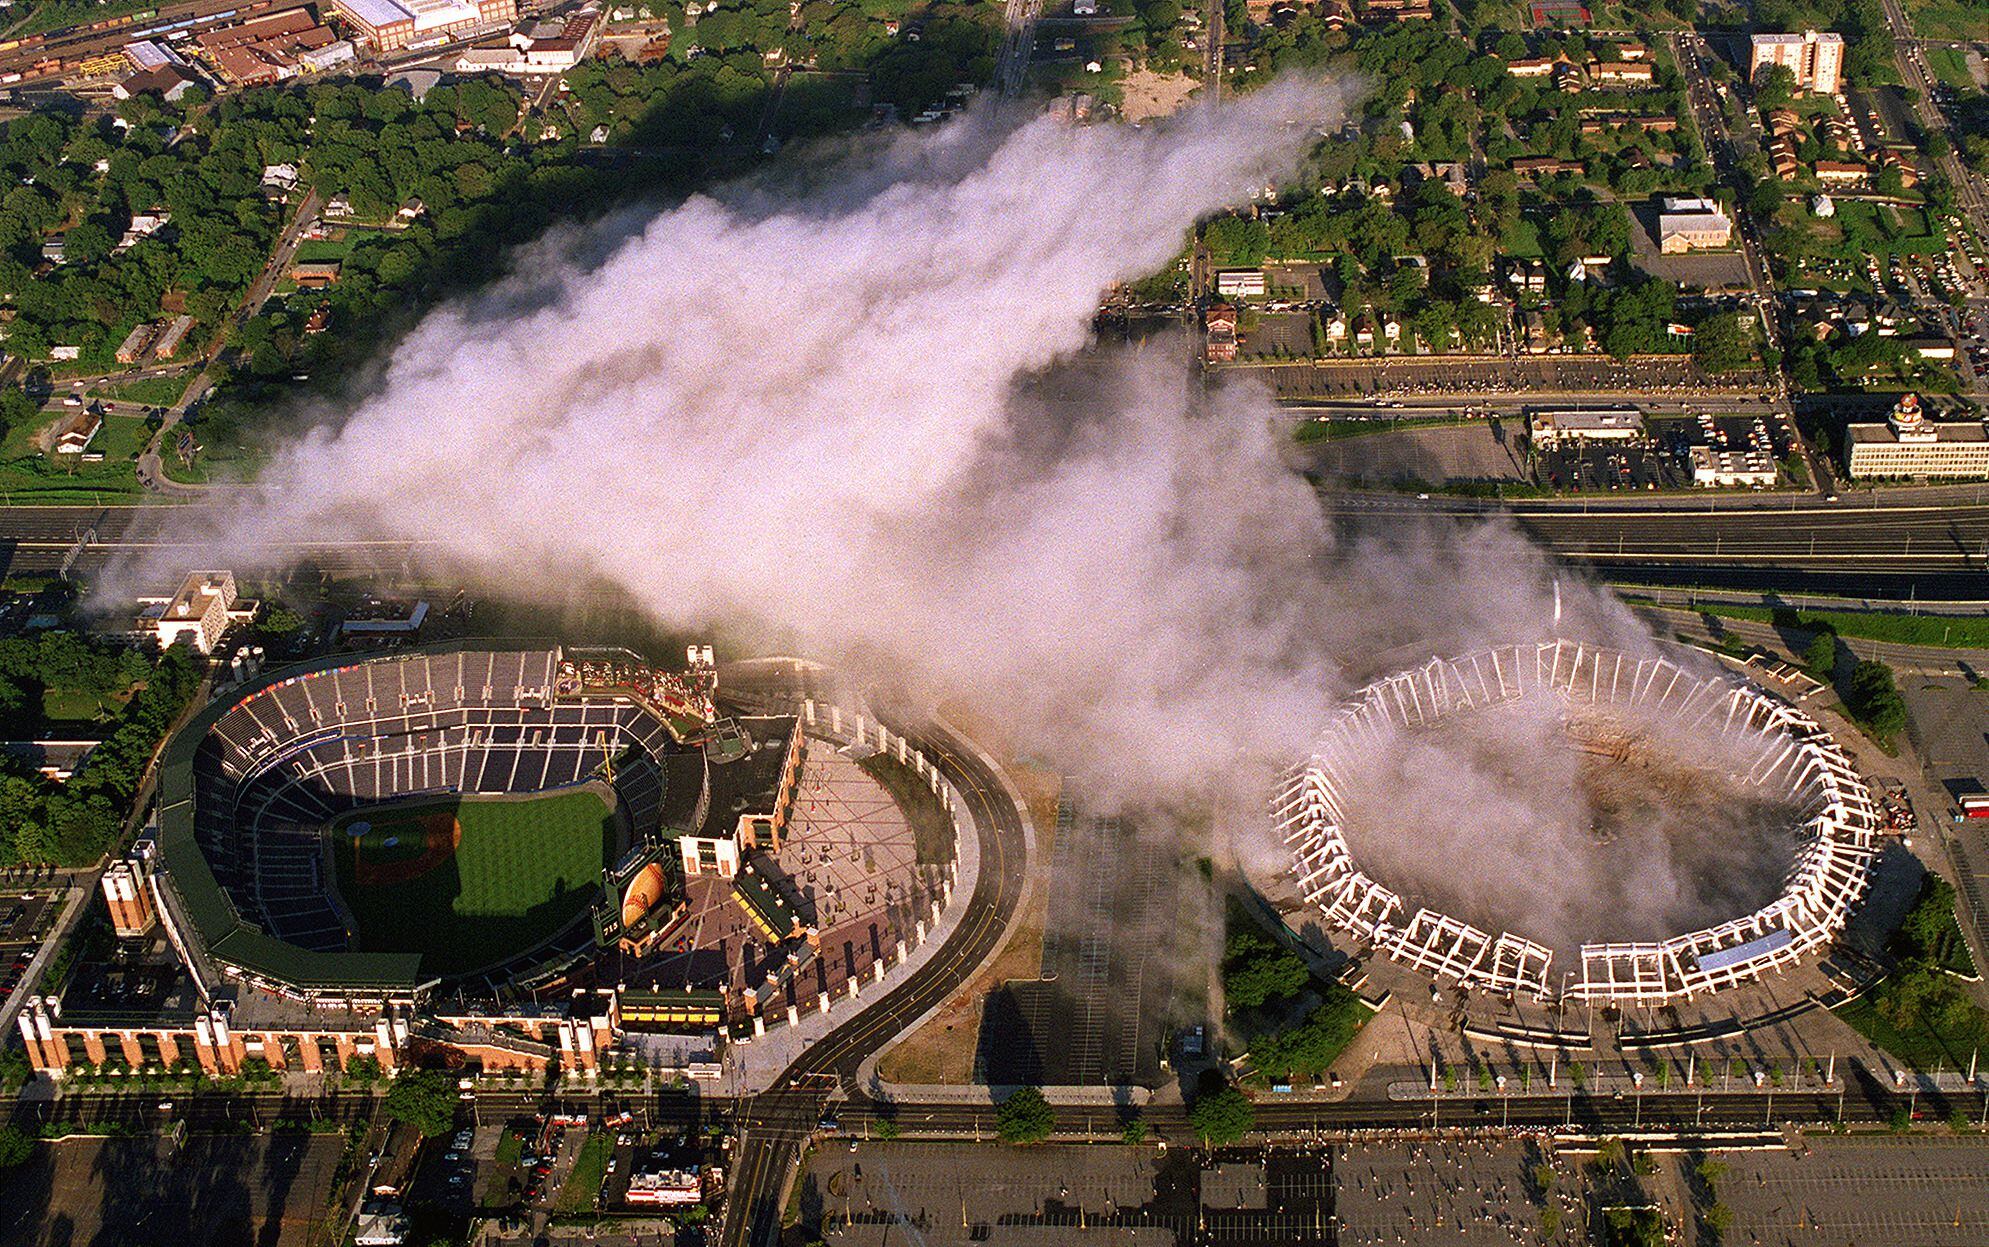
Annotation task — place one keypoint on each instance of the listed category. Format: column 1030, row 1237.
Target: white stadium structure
column 1777, row 749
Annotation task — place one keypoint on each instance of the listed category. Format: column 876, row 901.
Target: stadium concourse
column 502, row 858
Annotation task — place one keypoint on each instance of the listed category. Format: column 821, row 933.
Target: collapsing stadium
column 1766, row 746
column 433, row 776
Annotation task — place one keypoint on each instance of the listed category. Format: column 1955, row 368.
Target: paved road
column 1018, row 44
column 1834, row 537
column 1789, row 532
column 151, row 471
column 1713, row 129
column 773, row 1128
column 1857, row 1099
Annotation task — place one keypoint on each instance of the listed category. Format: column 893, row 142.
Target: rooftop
column 1959, row 431
column 376, row 13
column 197, row 590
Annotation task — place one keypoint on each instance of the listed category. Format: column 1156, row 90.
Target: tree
column 1256, row 971
column 1930, row 923
column 17, row 408
column 1222, row 1116
column 1820, row 656
column 1306, row 1050
column 15, row 1147
column 1025, row 1117
column 1722, row 343
column 424, row 1099
column 1874, row 699
column 1775, row 87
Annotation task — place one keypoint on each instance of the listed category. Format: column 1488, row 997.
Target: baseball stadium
column 407, row 819
column 489, row 850
column 1770, row 785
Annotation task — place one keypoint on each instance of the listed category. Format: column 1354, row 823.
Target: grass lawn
column 1880, row 229
column 1955, row 632
column 1920, row 1043
column 497, row 1191
column 590, row 1169
column 319, row 250
column 1950, row 65
column 151, row 391
column 233, row 444
column 70, row 705
column 1522, row 241
column 28, row 476
column 521, row 871
column 1962, row 20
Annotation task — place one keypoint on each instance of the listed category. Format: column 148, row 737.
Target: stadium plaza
column 501, row 860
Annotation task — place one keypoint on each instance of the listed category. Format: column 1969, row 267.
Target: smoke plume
column 858, row 407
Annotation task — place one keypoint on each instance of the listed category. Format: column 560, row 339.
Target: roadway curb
column 1032, row 882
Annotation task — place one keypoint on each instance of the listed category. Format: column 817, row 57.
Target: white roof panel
column 376, row 13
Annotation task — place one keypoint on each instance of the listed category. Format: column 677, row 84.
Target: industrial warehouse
column 505, row 859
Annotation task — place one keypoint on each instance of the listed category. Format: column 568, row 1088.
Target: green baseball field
column 467, row 881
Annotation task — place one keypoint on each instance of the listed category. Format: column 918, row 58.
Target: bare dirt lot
column 1149, row 94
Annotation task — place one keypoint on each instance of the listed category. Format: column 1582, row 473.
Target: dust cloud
column 859, row 405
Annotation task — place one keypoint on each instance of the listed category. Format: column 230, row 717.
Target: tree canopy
column 1024, row 1117
column 1221, row 1116
column 424, row 1099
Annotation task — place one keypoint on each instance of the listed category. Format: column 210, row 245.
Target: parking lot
column 1284, row 334
column 29, row 912
column 1477, row 376
column 227, row 1191
column 1946, row 720
column 1708, row 270
column 1451, row 1191
column 893, row 1194
column 1931, row 1192
column 1479, row 451
column 448, row 1173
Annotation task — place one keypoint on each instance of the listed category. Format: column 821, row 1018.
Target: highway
column 772, row 1128
column 1797, row 535
column 760, row 1169
column 1783, row 533
column 1282, row 1118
